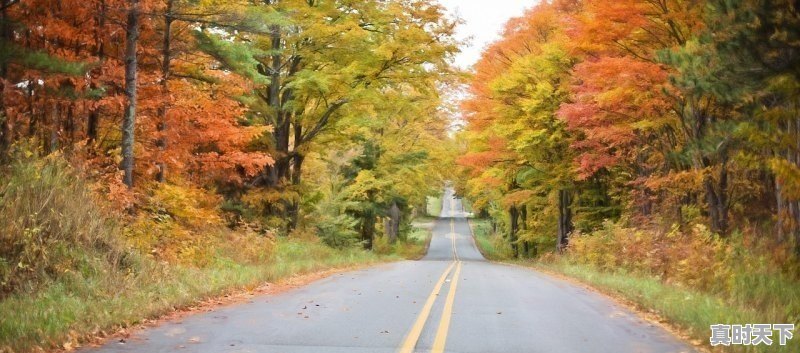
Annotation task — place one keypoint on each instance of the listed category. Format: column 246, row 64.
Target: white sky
column 483, row 22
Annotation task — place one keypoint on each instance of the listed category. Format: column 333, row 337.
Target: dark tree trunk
column 129, row 119
column 564, row 218
column 166, row 57
column 367, row 229
column 523, row 215
column 281, row 126
column 787, row 208
column 513, row 214
column 94, row 113
column 392, row 224
column 297, row 170
column 91, row 124
column 69, row 124
column 51, row 128
column 33, row 121
column 717, row 199
column 5, row 122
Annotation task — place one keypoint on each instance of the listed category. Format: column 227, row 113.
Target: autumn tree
column 313, row 59
column 519, row 141
column 403, row 151
column 754, row 68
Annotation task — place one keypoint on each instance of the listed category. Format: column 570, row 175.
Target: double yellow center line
column 440, row 340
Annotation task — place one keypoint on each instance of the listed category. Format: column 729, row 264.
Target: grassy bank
column 77, row 307
column 420, row 236
column 434, row 206
column 71, row 268
column 411, row 245
column 690, row 310
column 492, row 247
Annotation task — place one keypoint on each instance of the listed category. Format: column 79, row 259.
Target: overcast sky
column 483, row 22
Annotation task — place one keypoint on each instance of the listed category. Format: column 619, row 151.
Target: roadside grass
column 690, row 311
column 72, row 270
column 434, row 206
column 492, row 246
column 412, row 246
column 76, row 308
column 420, row 235
column 467, row 205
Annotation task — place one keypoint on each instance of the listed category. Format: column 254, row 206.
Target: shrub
column 381, row 245
column 181, row 224
column 735, row 268
column 51, row 225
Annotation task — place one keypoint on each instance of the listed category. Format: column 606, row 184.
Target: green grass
column 76, row 307
column 492, row 246
column 690, row 310
column 418, row 234
column 412, row 246
column 434, row 206
column 467, row 205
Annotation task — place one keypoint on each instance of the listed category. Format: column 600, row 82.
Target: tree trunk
column 367, row 229
column 392, row 224
column 91, row 124
column 523, row 215
column 281, row 128
column 94, row 113
column 5, row 123
column 564, row 219
column 789, row 208
column 33, row 121
column 514, row 228
column 166, row 57
column 779, row 206
column 129, row 119
column 51, row 127
column 294, row 210
column 717, row 199
column 796, row 161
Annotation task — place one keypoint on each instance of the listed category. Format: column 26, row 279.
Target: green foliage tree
column 313, row 58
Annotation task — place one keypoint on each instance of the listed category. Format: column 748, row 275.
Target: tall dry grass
column 51, row 225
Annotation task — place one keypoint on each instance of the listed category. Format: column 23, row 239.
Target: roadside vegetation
column 649, row 149
column 155, row 153
column 79, row 272
column 490, row 245
column 734, row 287
column 76, row 308
column 433, row 206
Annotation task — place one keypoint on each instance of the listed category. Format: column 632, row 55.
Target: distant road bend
column 452, row 300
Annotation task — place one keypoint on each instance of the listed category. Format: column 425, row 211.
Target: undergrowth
column 51, row 228
column 72, row 269
column 69, row 311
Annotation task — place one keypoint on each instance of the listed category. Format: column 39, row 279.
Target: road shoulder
column 646, row 314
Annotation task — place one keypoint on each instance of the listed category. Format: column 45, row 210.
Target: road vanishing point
column 452, row 300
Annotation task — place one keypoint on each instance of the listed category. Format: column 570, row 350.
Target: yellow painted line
column 444, row 324
column 413, row 336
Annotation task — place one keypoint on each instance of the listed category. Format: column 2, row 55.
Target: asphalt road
column 450, row 301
